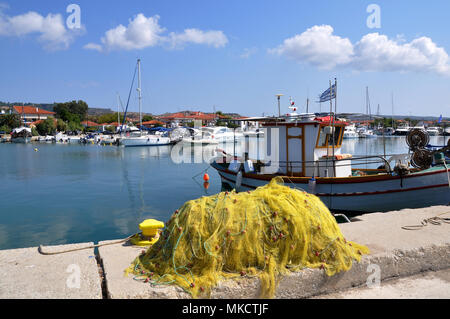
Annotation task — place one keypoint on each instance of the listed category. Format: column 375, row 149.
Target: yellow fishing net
column 270, row 231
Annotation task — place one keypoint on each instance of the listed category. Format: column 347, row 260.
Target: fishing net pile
column 265, row 233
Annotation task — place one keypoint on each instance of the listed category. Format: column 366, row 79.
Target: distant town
column 77, row 116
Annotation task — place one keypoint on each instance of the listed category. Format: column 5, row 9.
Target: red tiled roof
column 193, row 116
column 153, row 122
column 89, row 123
column 55, row 121
column 31, row 110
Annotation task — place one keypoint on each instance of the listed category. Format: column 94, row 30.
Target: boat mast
column 140, row 94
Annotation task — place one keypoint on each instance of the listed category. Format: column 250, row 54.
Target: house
column 90, row 124
column 183, row 118
column 30, row 114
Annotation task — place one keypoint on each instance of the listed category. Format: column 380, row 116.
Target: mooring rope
column 40, row 249
column 436, row 220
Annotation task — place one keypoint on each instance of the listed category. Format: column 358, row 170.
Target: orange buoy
column 206, row 177
column 206, row 185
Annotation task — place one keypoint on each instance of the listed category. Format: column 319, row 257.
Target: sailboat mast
column 140, row 94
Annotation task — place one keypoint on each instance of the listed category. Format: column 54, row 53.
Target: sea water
column 55, row 194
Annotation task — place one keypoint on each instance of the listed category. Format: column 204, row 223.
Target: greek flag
column 440, row 119
column 326, row 96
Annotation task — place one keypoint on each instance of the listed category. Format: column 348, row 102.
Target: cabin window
column 325, row 140
column 322, row 142
column 337, row 135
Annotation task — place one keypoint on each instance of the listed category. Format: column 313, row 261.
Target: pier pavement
column 400, row 259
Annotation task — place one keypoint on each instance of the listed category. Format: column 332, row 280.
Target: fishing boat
column 305, row 152
column 21, row 135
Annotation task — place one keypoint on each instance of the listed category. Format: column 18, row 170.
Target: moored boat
column 307, row 155
column 21, row 135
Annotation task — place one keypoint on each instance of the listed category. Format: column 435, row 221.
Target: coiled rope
column 436, row 221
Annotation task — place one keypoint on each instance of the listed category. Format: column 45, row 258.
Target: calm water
column 73, row 193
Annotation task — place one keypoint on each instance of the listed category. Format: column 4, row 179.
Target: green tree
column 46, row 127
column 10, row 120
column 61, row 126
column 109, row 118
column 147, row 118
column 5, row 128
column 74, row 111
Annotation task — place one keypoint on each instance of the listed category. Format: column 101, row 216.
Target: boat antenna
column 128, row 101
column 279, row 99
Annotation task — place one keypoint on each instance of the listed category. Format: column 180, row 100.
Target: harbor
column 195, row 154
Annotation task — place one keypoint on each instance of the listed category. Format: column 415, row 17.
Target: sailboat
column 140, row 138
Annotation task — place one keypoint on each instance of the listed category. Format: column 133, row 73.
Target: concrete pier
column 399, row 259
column 27, row 274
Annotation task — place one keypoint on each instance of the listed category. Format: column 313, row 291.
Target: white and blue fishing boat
column 305, row 151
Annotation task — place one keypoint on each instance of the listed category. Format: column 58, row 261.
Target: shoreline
column 397, row 252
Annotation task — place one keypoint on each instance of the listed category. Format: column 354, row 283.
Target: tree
column 74, row 111
column 46, row 127
column 61, row 126
column 10, row 120
column 109, row 118
column 147, row 118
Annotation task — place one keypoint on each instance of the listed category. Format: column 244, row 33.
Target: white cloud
column 248, row 52
column 374, row 52
column 215, row 39
column 143, row 32
column 93, row 46
column 51, row 29
column 317, row 46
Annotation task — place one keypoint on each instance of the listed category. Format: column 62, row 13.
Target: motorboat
column 223, row 134
column 433, row 131
column 350, row 132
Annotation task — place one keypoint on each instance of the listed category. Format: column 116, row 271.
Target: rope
column 436, row 221
column 40, row 249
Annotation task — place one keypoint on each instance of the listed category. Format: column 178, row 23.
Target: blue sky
column 231, row 55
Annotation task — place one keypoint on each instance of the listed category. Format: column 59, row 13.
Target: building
column 30, row 114
column 186, row 117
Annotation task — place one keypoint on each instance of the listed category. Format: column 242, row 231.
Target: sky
column 228, row 55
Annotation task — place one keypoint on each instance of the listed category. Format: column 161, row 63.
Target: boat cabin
column 306, row 145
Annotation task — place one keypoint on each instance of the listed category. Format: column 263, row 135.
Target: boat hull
column 21, row 140
column 145, row 141
column 380, row 193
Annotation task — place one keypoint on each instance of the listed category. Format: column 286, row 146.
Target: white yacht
column 433, row 131
column 223, row 134
column 350, row 132
column 402, row 130
column 199, row 137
